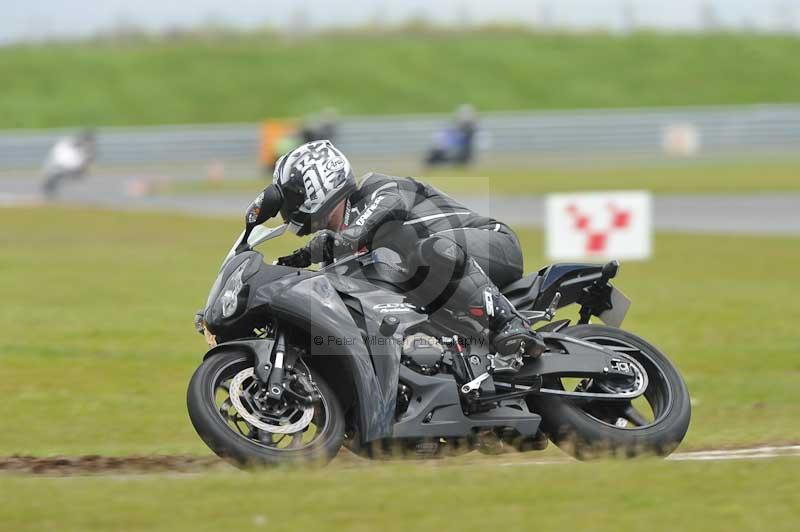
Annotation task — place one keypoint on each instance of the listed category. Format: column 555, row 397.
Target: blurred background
column 133, row 137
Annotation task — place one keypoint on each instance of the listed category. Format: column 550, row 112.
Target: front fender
column 259, row 348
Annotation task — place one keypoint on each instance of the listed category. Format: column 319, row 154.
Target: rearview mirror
column 266, row 206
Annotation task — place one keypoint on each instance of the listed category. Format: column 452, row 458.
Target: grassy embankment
column 247, row 77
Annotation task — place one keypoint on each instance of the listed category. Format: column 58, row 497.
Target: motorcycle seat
column 523, row 292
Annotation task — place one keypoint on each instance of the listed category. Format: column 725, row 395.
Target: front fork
column 275, row 380
column 271, row 362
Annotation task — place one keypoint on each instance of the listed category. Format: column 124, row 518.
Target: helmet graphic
column 313, row 179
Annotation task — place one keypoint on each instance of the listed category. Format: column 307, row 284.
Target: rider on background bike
column 464, row 255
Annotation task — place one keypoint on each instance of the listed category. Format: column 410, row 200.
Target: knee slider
column 442, row 252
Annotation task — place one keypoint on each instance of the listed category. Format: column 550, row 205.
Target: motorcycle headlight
column 230, row 292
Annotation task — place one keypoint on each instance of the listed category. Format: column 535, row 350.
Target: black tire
column 241, row 451
column 580, row 434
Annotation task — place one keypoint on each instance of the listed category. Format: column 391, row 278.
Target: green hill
column 245, row 77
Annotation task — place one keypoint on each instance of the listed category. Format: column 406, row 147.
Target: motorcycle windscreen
column 620, row 303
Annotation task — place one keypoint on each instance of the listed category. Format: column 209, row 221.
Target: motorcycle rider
column 69, row 158
column 463, row 254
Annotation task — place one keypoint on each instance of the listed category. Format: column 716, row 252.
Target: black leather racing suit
column 457, row 257
column 431, row 213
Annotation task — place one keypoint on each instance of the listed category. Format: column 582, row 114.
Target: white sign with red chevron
column 599, row 226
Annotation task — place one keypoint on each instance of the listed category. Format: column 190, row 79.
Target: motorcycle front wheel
column 243, row 426
column 654, row 423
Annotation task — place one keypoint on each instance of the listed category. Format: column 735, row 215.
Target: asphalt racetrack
column 755, row 214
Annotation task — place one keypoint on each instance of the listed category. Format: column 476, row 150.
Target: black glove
column 300, row 258
column 323, row 247
column 326, row 245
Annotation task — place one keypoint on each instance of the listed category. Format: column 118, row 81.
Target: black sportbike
column 303, row 362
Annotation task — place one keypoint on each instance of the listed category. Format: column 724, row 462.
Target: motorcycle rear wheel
column 656, row 423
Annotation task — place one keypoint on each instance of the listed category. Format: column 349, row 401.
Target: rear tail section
column 584, row 284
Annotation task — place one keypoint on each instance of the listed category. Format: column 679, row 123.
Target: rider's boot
column 470, row 292
column 511, row 336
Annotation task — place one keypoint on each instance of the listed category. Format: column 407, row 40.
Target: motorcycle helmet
column 312, row 179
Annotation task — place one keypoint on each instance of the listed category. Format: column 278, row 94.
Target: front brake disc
column 236, row 401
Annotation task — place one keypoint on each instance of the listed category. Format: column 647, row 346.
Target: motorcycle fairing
column 438, row 411
column 313, row 302
column 374, row 304
column 256, row 273
column 572, row 280
column 316, row 305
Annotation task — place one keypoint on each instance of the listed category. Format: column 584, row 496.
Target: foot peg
column 506, row 363
column 497, row 364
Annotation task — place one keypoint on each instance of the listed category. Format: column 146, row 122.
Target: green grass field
column 692, row 178
column 247, row 77
column 98, row 346
column 602, row 497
